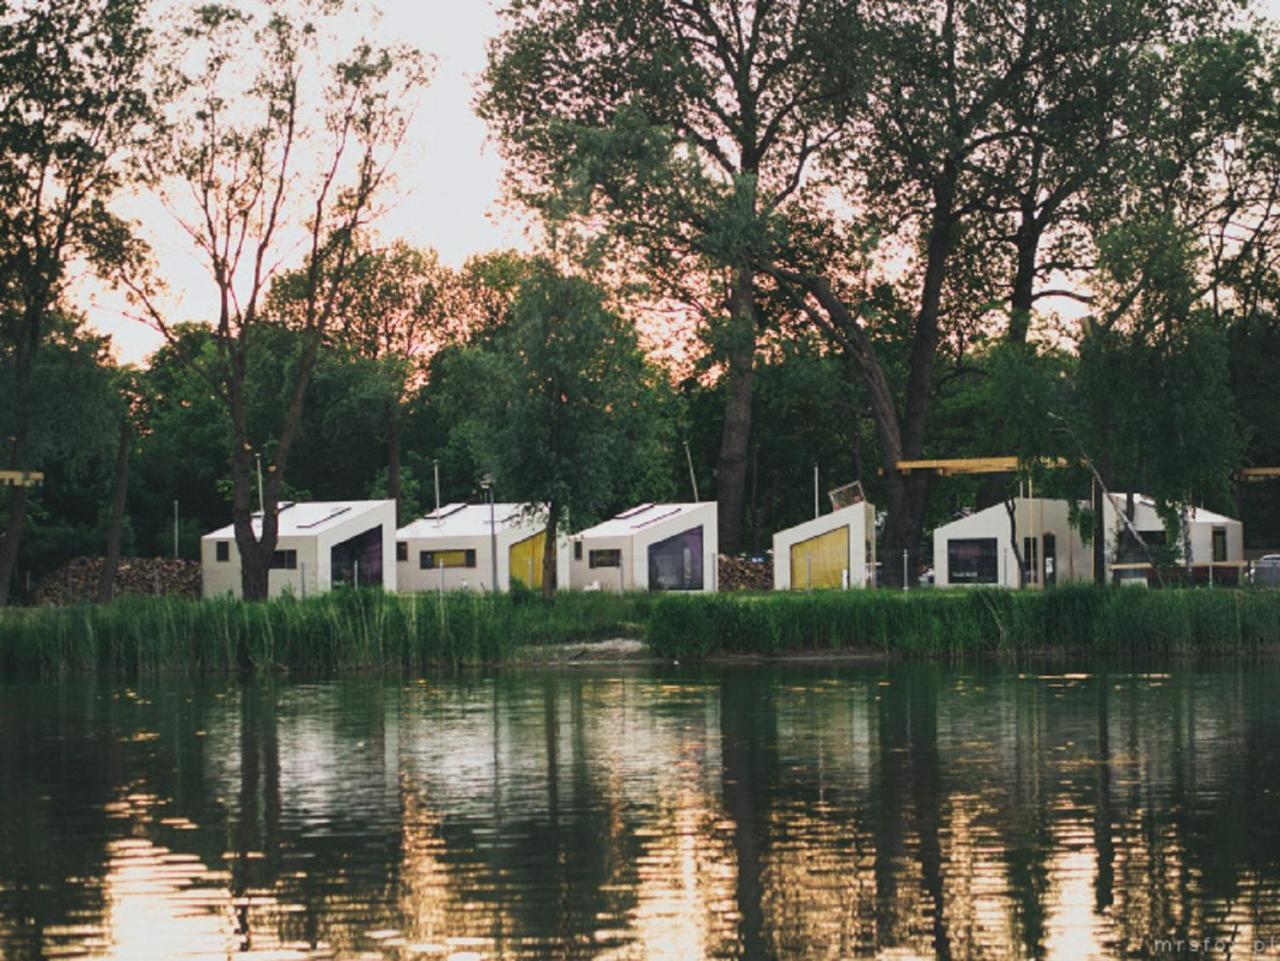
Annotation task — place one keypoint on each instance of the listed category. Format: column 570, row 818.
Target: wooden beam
column 21, row 478
column 1259, row 473
column 970, row 465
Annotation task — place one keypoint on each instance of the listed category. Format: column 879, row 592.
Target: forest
column 773, row 237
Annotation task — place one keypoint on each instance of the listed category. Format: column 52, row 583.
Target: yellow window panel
column 820, row 562
column 526, row 559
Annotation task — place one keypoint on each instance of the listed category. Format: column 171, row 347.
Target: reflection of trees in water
column 770, row 813
column 55, row 789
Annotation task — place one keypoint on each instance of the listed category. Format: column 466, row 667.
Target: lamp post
column 487, row 483
column 261, row 505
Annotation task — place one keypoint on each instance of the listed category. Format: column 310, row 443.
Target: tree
column 568, row 411
column 130, row 414
column 678, row 126
column 395, row 313
column 73, row 105
column 251, row 110
column 71, row 429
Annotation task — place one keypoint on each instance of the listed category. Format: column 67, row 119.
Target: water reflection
column 908, row 811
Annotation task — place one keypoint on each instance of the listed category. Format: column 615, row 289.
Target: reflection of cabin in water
column 321, row 545
column 655, row 547
column 451, row 548
column 831, row 551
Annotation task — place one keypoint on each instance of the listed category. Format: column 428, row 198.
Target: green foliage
column 341, row 631
column 1071, row 619
column 562, row 406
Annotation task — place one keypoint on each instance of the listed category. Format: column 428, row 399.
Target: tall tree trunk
column 731, row 467
column 16, row 522
column 1099, row 536
column 107, row 582
column 549, row 584
column 12, row 539
column 393, row 456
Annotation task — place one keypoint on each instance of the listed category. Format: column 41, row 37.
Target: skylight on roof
column 328, row 517
column 446, row 511
column 632, row 512
column 653, row 520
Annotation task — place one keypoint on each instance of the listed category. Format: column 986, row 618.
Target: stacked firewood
column 745, row 574
column 76, row 582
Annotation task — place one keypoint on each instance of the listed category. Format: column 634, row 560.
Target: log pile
column 76, row 582
column 745, row 574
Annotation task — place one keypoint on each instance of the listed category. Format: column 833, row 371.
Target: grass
column 369, row 630
column 1076, row 619
column 341, row 631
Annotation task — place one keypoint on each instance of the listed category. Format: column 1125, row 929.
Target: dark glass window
column 358, row 560
column 1219, row 544
column 675, row 564
column 402, row 551
column 972, row 561
column 577, row 550
column 222, row 550
column 430, row 560
column 284, row 561
column 1031, row 560
column 611, row 558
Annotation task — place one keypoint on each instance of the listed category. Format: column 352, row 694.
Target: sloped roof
column 638, row 518
column 307, row 519
column 472, row 520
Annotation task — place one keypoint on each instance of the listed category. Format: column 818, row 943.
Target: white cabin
column 321, row 545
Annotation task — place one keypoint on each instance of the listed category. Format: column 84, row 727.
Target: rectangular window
column 612, row 558
column 1031, row 560
column 675, row 564
column 577, row 550
column 284, row 561
column 431, row 560
column 973, row 561
column 402, row 551
column 222, row 550
column 1219, row 544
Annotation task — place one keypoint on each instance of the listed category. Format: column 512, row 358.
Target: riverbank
column 371, row 631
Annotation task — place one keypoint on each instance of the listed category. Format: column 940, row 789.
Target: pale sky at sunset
column 449, row 176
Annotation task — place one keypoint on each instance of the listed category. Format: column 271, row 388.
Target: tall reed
column 340, row 631
column 1076, row 619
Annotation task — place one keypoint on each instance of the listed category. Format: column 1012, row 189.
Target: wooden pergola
column 948, row 466
column 1258, row 474
column 21, row 478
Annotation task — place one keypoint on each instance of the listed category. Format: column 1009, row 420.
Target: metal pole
column 436, row 465
column 175, row 530
column 693, row 480
column 906, row 563
column 815, row 491
column 261, row 503
column 493, row 542
column 355, row 573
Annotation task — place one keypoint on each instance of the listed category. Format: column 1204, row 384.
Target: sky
column 450, row 176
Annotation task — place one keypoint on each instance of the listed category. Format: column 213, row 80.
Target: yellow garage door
column 526, row 560
column 820, row 561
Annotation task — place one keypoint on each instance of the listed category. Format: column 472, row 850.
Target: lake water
column 909, row 811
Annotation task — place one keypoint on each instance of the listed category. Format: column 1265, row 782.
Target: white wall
column 860, row 521
column 313, row 574
column 413, row 579
column 634, row 574
column 584, row 577
column 1035, row 517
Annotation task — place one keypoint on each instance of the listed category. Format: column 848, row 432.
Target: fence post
column 906, row 573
